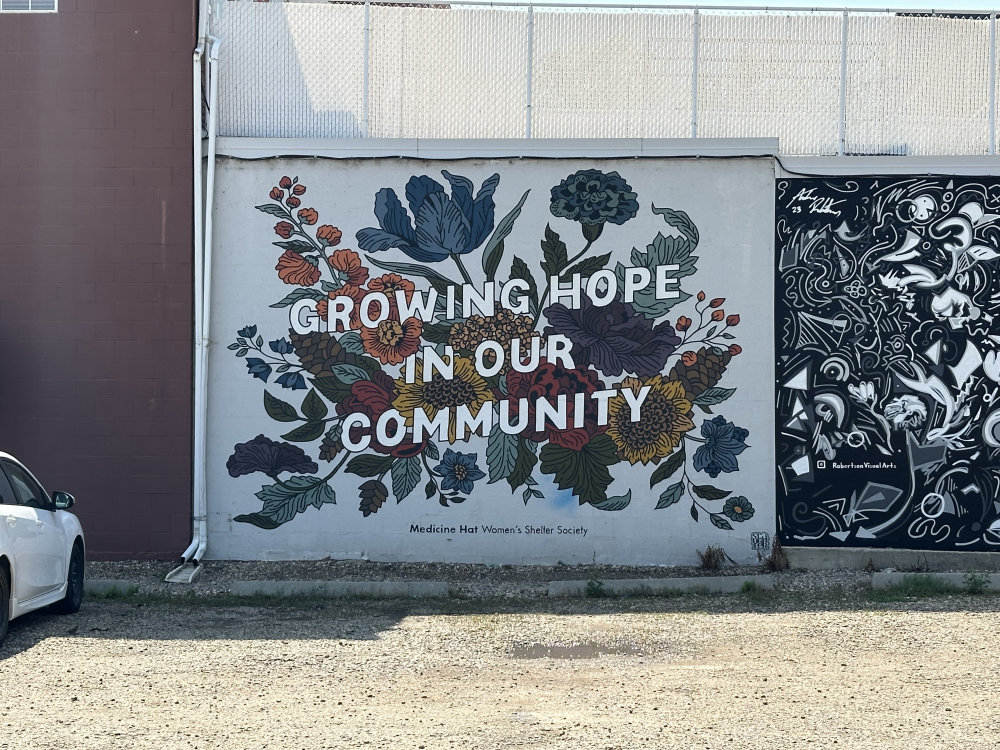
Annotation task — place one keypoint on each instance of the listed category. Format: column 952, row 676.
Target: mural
column 389, row 363
column 888, row 360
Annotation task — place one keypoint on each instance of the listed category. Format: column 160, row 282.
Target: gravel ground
column 466, row 581
column 816, row 663
column 796, row 668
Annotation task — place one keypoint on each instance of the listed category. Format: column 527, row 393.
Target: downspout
column 189, row 569
column 199, row 52
column 201, row 386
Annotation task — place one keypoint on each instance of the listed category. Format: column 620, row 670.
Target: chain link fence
column 823, row 82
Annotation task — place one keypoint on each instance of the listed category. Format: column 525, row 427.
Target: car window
column 26, row 490
column 7, row 496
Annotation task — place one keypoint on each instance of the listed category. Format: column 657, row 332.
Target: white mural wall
column 497, row 361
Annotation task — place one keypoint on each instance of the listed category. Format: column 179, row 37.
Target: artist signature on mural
column 815, row 204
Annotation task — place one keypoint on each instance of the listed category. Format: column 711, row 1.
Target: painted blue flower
column 270, row 457
column 281, row 346
column 259, row 368
column 443, row 225
column 293, row 380
column 724, row 441
column 738, row 508
column 592, row 197
column 248, row 333
column 459, row 471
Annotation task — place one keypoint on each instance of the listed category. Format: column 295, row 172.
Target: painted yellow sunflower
column 465, row 387
column 663, row 418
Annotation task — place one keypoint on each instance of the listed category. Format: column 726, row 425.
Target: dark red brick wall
column 96, row 263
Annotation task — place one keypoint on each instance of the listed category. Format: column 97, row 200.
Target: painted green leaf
column 667, row 468
column 306, row 433
column 519, row 270
column 714, row 395
column 585, row 471
column 614, row 503
column 680, row 220
column 436, row 333
column 720, row 522
column 586, row 267
column 708, row 492
column 429, row 489
column 313, row 407
column 298, row 246
column 295, row 295
column 279, row 410
column 412, row 269
column 670, row 496
column 351, row 342
column 333, row 388
column 432, row 451
column 405, row 476
column 554, row 251
column 694, row 512
column 274, row 210
column 349, row 374
column 369, row 466
column 261, row 521
column 523, row 464
column 286, row 499
column 501, row 454
column 493, row 250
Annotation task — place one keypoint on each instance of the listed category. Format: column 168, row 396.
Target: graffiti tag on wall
column 888, row 426
column 433, row 359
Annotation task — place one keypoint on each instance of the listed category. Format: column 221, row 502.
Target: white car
column 41, row 546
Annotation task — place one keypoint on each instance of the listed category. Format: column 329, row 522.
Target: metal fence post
column 993, row 83
column 696, row 32
column 365, row 70
column 531, row 53
column 842, row 119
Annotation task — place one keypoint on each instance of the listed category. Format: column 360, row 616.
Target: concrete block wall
column 95, row 263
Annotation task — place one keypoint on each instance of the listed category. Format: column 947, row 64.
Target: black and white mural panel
column 888, row 362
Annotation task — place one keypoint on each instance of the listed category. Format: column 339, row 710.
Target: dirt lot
column 743, row 671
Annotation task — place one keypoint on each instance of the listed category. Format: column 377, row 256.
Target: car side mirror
column 63, row 500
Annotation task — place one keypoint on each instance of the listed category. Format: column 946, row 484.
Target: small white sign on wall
column 497, row 361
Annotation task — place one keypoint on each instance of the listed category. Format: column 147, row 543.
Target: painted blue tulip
column 443, row 225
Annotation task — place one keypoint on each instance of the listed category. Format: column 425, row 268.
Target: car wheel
column 4, row 602
column 74, row 584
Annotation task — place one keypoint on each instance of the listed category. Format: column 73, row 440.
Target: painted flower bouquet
column 407, row 352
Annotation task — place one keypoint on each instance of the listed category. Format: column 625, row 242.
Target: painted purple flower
column 724, row 441
column 459, row 471
column 265, row 455
column 614, row 338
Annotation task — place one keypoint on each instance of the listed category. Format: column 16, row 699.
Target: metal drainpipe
column 197, row 467
column 201, row 386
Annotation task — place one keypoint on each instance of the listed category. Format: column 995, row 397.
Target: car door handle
column 38, row 523
column 12, row 520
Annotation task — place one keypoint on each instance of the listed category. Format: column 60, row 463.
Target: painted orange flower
column 392, row 341
column 390, row 283
column 328, row 235
column 293, row 268
column 349, row 262
column 308, row 215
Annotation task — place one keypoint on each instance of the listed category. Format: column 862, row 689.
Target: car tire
column 4, row 602
column 74, row 584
